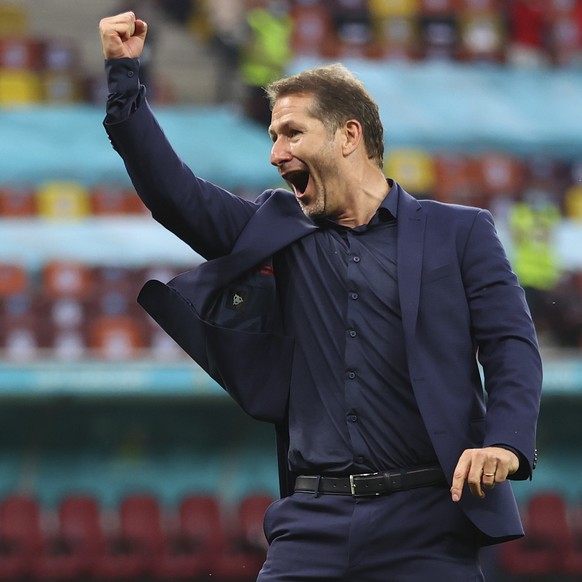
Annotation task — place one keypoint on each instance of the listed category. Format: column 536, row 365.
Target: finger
column 488, row 478
column 140, row 28
column 460, row 477
column 475, row 476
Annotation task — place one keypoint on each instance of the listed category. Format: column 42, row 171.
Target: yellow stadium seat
column 573, row 202
column 63, row 200
column 397, row 33
column 13, row 20
column 393, row 8
column 412, row 168
column 19, row 87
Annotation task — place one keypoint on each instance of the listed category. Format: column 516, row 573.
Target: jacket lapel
column 411, row 227
column 277, row 223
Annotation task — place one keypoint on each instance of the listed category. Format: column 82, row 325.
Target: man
column 351, row 316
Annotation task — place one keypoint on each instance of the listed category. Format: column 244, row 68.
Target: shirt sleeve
column 125, row 90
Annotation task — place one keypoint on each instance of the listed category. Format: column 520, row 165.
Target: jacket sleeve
column 206, row 217
column 506, row 341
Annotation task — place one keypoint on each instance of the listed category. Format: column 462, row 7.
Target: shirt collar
column 390, row 202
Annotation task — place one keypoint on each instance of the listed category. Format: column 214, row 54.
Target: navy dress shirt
column 352, row 408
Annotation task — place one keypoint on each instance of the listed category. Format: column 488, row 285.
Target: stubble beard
column 316, row 209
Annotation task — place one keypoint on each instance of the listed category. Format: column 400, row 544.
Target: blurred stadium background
column 119, row 459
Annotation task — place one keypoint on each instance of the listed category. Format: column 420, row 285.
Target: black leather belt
column 371, row 484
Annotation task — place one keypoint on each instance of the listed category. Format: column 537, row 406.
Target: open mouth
column 298, row 180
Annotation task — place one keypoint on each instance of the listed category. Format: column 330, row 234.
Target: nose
column 279, row 153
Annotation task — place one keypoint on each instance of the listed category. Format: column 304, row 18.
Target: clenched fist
column 122, row 36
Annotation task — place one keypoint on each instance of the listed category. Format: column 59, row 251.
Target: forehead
column 292, row 107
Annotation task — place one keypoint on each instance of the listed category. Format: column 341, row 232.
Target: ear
column 352, row 136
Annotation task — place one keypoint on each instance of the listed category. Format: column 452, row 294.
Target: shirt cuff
column 125, row 90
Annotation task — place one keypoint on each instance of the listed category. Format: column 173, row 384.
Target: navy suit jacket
column 458, row 295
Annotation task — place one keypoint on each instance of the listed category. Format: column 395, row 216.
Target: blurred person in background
column 350, row 315
column 228, row 34
column 266, row 52
column 533, row 221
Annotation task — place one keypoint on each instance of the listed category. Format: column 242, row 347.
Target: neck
column 363, row 198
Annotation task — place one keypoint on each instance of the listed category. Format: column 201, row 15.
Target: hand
column 481, row 469
column 122, row 36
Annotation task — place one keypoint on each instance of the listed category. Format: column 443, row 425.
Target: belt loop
column 317, row 482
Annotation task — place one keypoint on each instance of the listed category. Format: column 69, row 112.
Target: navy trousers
column 410, row 536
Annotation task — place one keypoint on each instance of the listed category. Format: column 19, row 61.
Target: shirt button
column 360, row 459
column 356, row 259
column 352, row 418
column 353, row 333
column 354, row 295
column 351, row 375
column 130, row 73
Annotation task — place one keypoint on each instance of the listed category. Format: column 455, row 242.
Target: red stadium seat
column 20, row 52
column 113, row 199
column 196, row 545
column 13, row 279
column 313, row 32
column 17, row 201
column 73, row 550
column 136, row 547
column 251, row 513
column 66, row 279
column 547, row 542
column 21, row 539
column 245, row 551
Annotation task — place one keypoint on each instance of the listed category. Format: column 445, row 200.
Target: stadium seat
column 61, row 88
column 251, row 513
column 115, row 200
column 573, row 202
column 438, row 37
column 573, row 559
column 19, row 333
column 397, row 36
column 547, row 542
column 313, row 31
column 61, row 323
column 437, row 7
column 20, row 87
column 13, row 20
column 482, row 36
column 500, row 173
column 20, row 52
column 456, row 178
column 73, row 549
column 66, row 279
column 63, row 200
column 197, row 542
column 244, row 553
column 14, row 279
column 380, row 9
column 132, row 551
column 17, row 201
column 413, row 168
column 116, row 337
column 21, row 539
column 481, row 5
column 60, row 55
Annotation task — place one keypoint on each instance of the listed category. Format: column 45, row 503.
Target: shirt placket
column 353, row 366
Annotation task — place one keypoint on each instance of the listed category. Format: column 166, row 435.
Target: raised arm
column 205, row 216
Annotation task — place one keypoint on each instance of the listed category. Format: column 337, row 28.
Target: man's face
column 305, row 154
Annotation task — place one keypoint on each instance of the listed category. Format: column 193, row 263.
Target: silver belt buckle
column 353, row 484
